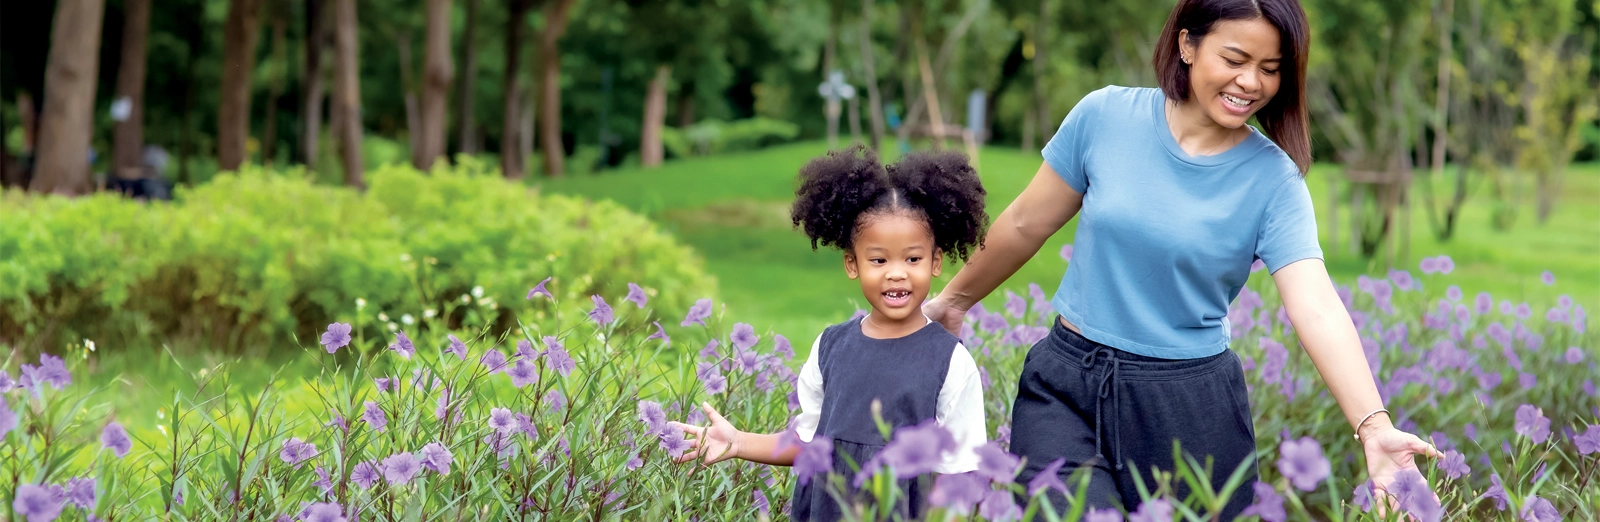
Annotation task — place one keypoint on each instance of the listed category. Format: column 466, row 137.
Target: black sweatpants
column 1117, row 412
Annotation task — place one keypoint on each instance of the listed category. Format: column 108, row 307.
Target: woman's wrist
column 1372, row 425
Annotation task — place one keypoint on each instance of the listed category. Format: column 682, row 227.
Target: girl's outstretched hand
column 940, row 311
column 715, row 443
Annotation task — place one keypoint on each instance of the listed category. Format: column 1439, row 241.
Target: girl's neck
column 872, row 326
column 1196, row 133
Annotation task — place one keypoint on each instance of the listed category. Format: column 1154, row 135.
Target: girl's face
column 1233, row 71
column 895, row 259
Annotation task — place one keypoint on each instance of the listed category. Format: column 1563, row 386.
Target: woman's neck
column 1196, row 133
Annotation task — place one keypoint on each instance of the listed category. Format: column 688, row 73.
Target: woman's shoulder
column 1119, row 98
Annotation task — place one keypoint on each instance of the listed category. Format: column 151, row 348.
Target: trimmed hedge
column 260, row 258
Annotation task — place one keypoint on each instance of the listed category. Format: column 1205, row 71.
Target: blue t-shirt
column 1165, row 240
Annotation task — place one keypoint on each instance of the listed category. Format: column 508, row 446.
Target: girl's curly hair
column 841, row 191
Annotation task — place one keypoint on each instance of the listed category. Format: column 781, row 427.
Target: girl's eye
column 876, row 261
column 914, row 259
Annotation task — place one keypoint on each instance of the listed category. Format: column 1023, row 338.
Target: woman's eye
column 1232, row 63
column 1270, row 71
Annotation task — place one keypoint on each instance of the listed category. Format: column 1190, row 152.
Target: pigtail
column 947, row 189
column 835, row 190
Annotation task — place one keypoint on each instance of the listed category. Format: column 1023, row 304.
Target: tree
column 240, row 32
column 466, row 134
column 874, row 101
column 436, row 76
column 128, row 136
column 314, row 92
column 280, row 69
column 511, row 163
column 655, row 116
column 347, row 92
column 62, row 164
column 555, row 25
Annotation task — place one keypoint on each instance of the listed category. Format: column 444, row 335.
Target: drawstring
column 1108, row 387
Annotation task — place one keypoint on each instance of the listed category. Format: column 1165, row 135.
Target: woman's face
column 1233, row 71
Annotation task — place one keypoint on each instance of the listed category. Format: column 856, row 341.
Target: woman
column 1178, row 197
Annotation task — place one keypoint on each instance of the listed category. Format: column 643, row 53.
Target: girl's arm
column 1329, row 337
column 721, row 441
column 1041, row 210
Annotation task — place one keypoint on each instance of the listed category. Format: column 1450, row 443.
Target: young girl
column 894, row 227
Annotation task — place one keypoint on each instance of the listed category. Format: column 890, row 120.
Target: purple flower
column 1015, row 305
column 1157, row 510
column 661, row 333
column 636, row 295
column 917, row 449
column 672, row 441
column 651, row 414
column 1102, row 515
column 494, row 360
column 814, row 457
column 1496, row 492
column 8, row 418
column 993, row 322
column 400, row 468
column 999, row 506
column 436, row 457
column 1257, row 265
column 781, row 346
column 715, row 384
column 383, row 384
column 1482, row 303
column 1454, row 464
column 80, row 492
column 1540, row 510
column 1532, row 423
column 1548, row 278
column 1445, row 264
column 296, row 451
column 1414, row 496
column 1268, row 505
column 374, row 416
column 402, row 345
column 457, row 347
column 761, row 502
column 1429, row 265
column 698, row 313
column 958, row 492
column 323, row 512
column 1362, row 496
column 555, row 400
column 523, row 373
column 1302, row 463
column 114, row 438
column 1574, row 355
column 710, row 351
column 502, row 421
column 539, row 289
column 996, row 464
column 365, row 474
column 743, row 336
column 337, row 336
column 601, row 314
column 557, row 358
column 323, row 482
column 38, row 503
column 1402, row 279
column 1589, row 441
column 1066, row 252
column 51, row 370
column 635, row 462
column 1048, row 478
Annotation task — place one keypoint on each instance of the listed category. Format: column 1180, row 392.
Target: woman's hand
column 1390, row 451
column 719, row 442
column 945, row 313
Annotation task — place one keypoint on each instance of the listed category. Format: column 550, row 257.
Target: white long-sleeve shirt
column 960, row 406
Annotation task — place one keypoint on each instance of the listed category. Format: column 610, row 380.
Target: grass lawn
column 733, row 208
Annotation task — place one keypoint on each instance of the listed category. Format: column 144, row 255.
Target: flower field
column 564, row 417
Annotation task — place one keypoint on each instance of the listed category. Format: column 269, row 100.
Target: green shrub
column 251, row 258
column 712, row 136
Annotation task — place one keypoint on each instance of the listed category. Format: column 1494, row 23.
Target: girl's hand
column 946, row 314
column 714, row 444
column 1390, row 451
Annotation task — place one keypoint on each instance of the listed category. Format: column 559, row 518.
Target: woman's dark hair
column 841, row 191
column 1284, row 118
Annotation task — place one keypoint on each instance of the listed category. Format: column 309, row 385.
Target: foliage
column 711, row 136
column 556, row 419
column 255, row 258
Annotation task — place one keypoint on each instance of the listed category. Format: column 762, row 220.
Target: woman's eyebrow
column 1247, row 55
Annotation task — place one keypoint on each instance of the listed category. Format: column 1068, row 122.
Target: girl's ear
column 850, row 265
column 938, row 261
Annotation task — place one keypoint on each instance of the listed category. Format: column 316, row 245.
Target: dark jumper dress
column 904, row 374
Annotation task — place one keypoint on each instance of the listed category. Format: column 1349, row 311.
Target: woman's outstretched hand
column 948, row 315
column 715, row 443
column 1390, row 451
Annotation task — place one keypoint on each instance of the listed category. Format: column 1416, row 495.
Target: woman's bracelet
column 1364, row 420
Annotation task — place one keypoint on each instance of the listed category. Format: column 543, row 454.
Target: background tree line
column 1491, row 97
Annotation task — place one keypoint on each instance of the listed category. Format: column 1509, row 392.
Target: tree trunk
column 465, row 141
column 269, row 137
column 1041, row 99
column 238, row 61
column 436, row 75
column 62, row 163
column 830, row 62
column 347, row 96
column 510, row 162
column 874, row 102
column 409, row 99
column 311, row 108
column 128, row 136
column 527, row 123
column 555, row 25
column 655, row 115
column 686, row 104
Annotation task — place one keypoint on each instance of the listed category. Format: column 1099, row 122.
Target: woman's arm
column 1329, row 337
column 1014, row 237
